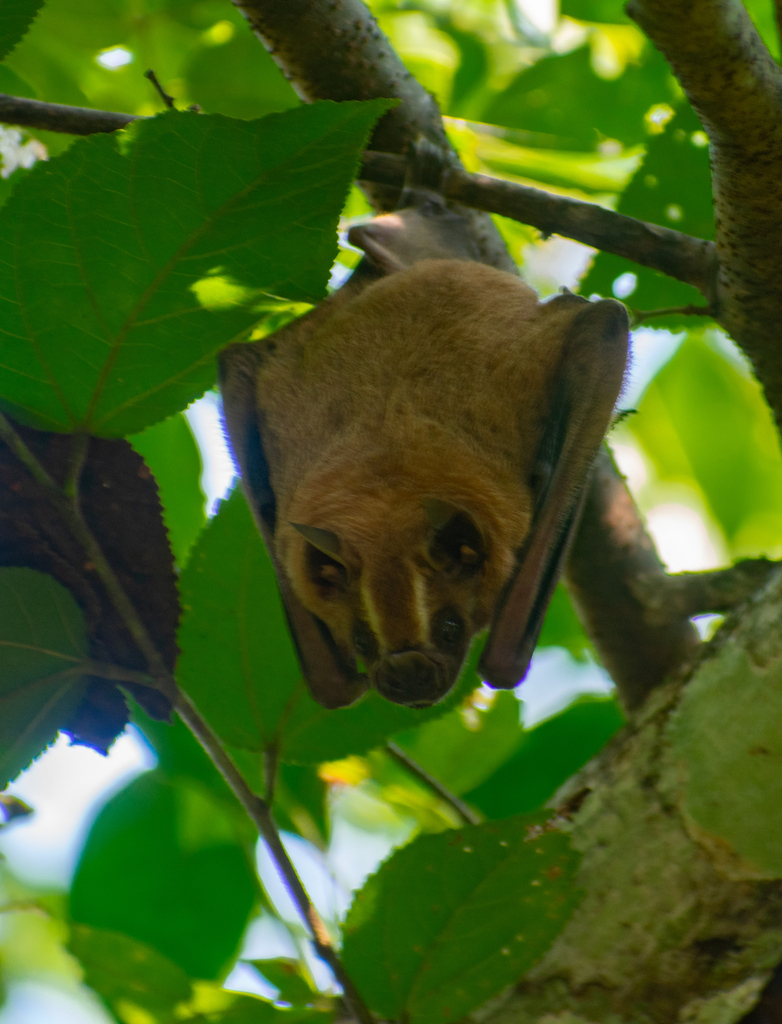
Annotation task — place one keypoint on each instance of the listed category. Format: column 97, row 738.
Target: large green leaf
column 16, row 16
column 563, row 100
column 130, row 260
column 42, row 642
column 171, row 452
column 163, row 865
column 672, row 187
column 453, row 918
column 548, row 755
column 239, row 665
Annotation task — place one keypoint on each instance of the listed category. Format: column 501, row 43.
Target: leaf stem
column 260, row 813
column 639, row 315
column 465, row 812
column 271, row 762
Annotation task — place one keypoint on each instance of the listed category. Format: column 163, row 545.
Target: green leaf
column 133, row 258
column 238, row 78
column 162, row 864
column 734, row 461
column 570, row 107
column 672, row 187
column 289, row 977
column 548, row 755
column 126, row 973
column 300, row 803
column 562, row 628
column 42, row 642
column 171, row 452
column 450, row 920
column 16, row 17
column 609, row 11
column 238, row 662
column 462, row 751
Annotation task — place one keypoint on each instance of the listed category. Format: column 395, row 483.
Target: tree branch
column 333, row 49
column 685, row 594
column 57, row 117
column 735, row 86
column 611, row 552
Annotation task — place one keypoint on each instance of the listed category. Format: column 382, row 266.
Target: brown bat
column 415, row 451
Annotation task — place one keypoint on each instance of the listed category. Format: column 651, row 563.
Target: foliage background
column 575, row 101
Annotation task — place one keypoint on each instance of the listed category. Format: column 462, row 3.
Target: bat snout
column 411, row 678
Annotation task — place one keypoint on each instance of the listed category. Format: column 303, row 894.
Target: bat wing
column 586, row 387
column 333, row 682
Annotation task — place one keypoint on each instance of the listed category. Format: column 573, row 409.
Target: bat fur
column 415, row 450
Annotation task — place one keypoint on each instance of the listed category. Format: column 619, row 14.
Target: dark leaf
column 120, row 505
column 16, row 16
column 451, row 919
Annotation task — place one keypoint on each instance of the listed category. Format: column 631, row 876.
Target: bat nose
column 410, row 678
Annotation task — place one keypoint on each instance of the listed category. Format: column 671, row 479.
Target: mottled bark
column 735, row 86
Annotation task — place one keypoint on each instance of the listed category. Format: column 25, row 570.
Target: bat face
column 402, row 581
column 415, row 451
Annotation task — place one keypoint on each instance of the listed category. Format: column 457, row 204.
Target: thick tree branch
column 611, row 552
column 736, row 87
column 685, row 594
column 333, row 49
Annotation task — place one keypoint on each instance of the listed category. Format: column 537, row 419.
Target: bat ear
column 456, row 537
column 323, row 540
column 585, row 390
column 332, row 682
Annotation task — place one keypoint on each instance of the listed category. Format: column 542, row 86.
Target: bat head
column 403, row 582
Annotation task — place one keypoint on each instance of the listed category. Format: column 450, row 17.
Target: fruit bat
column 415, row 451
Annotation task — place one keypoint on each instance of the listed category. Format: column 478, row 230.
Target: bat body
column 414, row 451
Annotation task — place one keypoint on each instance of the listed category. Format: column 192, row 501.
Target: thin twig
column 79, row 445
column 639, row 315
column 465, row 812
column 260, row 814
column 257, row 809
column 59, row 117
column 168, row 100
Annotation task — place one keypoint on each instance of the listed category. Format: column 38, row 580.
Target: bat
column 415, row 451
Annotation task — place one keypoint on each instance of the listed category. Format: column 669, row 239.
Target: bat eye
column 448, row 629
column 325, row 572
column 364, row 642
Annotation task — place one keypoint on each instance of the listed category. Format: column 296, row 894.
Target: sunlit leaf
column 42, row 642
column 105, row 247
column 672, row 187
column 563, row 100
column 452, row 919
